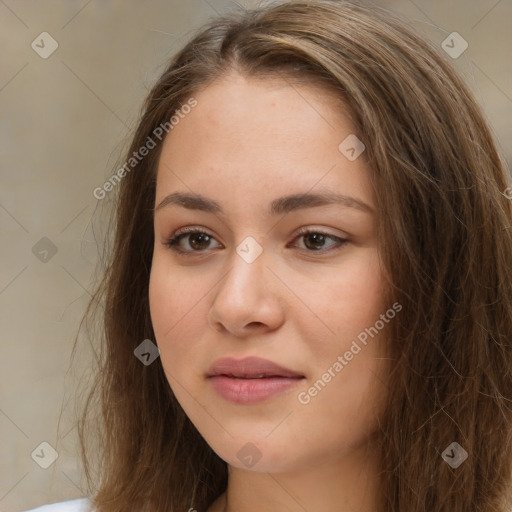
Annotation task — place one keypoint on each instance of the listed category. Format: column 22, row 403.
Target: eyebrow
column 278, row 206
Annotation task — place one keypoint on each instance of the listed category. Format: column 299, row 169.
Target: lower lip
column 248, row 391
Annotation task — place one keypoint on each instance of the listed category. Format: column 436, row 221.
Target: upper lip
column 249, row 367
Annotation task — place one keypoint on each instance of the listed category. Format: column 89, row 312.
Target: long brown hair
column 445, row 240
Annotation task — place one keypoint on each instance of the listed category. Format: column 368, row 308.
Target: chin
column 259, row 454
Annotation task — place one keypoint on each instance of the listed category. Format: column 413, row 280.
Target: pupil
column 317, row 238
column 203, row 240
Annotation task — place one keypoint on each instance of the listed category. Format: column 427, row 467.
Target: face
column 247, row 271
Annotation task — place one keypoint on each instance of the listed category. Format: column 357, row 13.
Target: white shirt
column 76, row 505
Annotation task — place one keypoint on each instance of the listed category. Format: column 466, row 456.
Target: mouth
column 251, row 379
column 260, row 376
column 250, row 368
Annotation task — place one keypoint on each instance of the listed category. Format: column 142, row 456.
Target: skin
column 246, row 143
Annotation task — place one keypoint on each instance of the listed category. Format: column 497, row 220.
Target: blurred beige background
column 65, row 119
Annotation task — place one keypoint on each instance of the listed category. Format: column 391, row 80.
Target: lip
column 250, row 367
column 236, row 380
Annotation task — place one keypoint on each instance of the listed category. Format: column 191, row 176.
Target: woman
column 308, row 304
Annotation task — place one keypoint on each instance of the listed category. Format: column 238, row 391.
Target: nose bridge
column 244, row 296
column 247, row 267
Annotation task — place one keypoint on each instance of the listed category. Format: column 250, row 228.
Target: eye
column 196, row 238
column 315, row 240
column 198, row 241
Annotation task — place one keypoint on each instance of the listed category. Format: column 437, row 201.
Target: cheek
column 179, row 299
column 343, row 302
column 355, row 309
column 361, row 292
column 173, row 302
column 171, row 296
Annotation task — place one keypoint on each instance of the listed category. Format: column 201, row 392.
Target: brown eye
column 198, row 241
column 194, row 241
column 314, row 241
column 318, row 241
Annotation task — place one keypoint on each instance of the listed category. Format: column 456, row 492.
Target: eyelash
column 176, row 237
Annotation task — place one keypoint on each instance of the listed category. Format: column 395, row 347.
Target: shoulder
column 77, row 505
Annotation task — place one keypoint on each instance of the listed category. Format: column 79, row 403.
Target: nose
column 246, row 300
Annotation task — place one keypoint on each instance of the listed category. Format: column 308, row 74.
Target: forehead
column 271, row 100
column 246, row 135
column 238, row 85
column 263, row 110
